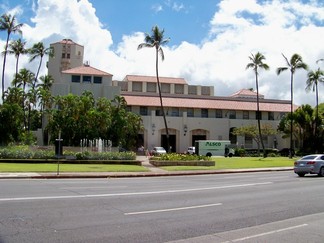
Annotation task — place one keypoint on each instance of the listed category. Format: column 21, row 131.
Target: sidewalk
column 153, row 171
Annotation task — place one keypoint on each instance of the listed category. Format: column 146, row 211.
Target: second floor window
column 246, row 115
column 232, row 115
column 76, row 78
column 86, row 79
column 97, row 80
column 258, row 115
column 143, row 111
column 190, row 112
column 204, row 113
column 219, row 114
column 270, row 116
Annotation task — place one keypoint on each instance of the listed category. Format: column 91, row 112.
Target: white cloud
column 237, row 29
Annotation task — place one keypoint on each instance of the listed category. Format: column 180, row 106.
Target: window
column 143, row 110
column 76, row 78
column 158, row 112
column 258, row 115
column 232, row 115
column 68, row 55
column 204, row 113
column 179, row 88
column 97, row 80
column 63, row 55
column 205, row 90
column 270, row 116
column 192, row 90
column 190, row 112
column 219, row 114
column 175, row 111
column 246, row 115
column 165, row 88
column 137, row 87
column 86, row 79
column 151, row 87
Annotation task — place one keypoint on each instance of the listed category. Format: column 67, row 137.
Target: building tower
column 67, row 55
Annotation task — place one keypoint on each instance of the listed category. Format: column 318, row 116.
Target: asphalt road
column 250, row 207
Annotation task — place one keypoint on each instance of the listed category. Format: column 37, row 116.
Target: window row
column 86, row 79
column 206, row 113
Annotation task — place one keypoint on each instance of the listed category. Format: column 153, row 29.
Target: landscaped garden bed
column 181, row 160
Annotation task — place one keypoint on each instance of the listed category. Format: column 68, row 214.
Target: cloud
column 157, row 8
column 237, row 29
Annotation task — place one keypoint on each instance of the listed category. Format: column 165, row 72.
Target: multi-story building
column 192, row 111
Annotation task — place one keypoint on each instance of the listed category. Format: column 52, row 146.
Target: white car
column 158, row 151
column 191, row 150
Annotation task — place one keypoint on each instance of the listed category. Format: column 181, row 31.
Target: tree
column 313, row 78
column 303, row 131
column 8, row 23
column 11, row 122
column 23, row 79
column 295, row 63
column 255, row 64
column 156, row 39
column 17, row 47
column 39, row 51
column 252, row 131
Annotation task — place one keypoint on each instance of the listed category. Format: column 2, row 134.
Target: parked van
column 214, row 148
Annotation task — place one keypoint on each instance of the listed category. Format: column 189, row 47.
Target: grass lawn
column 239, row 163
column 29, row 167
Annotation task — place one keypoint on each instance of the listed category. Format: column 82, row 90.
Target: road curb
column 108, row 175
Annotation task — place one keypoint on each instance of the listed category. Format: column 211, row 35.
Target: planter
column 159, row 163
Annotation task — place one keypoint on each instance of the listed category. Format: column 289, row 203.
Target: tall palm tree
column 23, row 79
column 17, row 48
column 8, row 23
column 313, row 78
column 255, row 64
column 156, row 39
column 38, row 50
column 295, row 63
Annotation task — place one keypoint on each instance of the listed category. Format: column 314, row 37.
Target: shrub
column 24, row 152
column 181, row 157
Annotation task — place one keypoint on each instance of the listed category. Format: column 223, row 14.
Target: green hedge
column 24, row 152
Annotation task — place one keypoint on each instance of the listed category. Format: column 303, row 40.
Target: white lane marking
column 173, row 209
column 132, row 193
column 267, row 233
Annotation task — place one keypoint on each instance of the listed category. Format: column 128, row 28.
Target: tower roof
column 86, row 70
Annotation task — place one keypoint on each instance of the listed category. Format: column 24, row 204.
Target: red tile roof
column 67, row 41
column 214, row 103
column 246, row 93
column 86, row 70
column 152, row 79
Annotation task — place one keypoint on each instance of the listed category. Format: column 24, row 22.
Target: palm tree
column 17, row 47
column 8, row 23
column 39, row 51
column 295, row 63
column 156, row 39
column 255, row 64
column 314, row 77
column 24, row 78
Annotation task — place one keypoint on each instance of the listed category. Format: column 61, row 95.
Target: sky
column 210, row 40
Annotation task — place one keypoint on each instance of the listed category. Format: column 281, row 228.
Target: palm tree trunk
column 291, row 115
column 316, row 120
column 161, row 102
column 39, row 67
column 259, row 114
column 4, row 66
